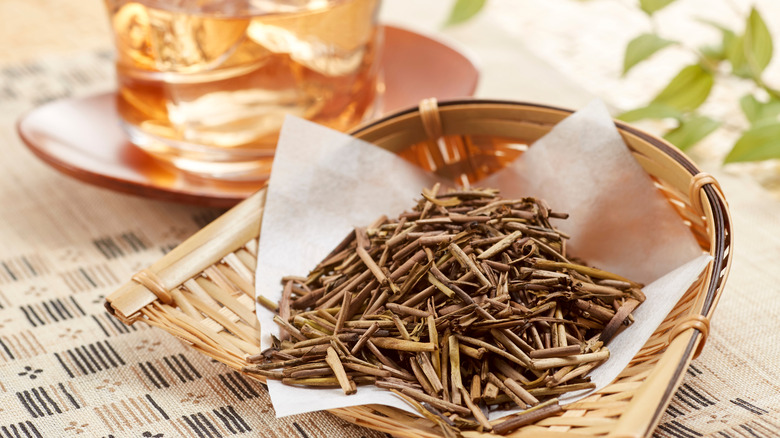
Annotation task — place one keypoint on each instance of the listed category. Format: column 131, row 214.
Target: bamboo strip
column 246, row 334
column 196, row 289
column 236, row 264
column 214, row 274
column 248, row 347
column 174, row 327
column 234, row 277
column 247, row 259
column 209, row 337
column 228, row 301
column 184, row 304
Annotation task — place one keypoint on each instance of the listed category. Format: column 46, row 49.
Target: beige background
column 66, row 244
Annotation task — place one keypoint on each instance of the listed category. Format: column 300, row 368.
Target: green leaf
column 750, row 53
column 713, row 53
column 691, row 131
column 756, row 144
column 735, row 53
column 641, row 48
column 751, row 107
column 651, row 6
column 758, row 112
column 651, row 111
column 688, row 89
column 719, row 52
column 464, row 10
column 758, row 43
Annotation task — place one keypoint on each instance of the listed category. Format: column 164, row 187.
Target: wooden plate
column 82, row 137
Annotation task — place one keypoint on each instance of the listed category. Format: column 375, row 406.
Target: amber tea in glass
column 205, row 85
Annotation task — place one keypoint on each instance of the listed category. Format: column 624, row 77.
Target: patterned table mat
column 67, row 368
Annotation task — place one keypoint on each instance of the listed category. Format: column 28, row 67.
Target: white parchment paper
column 325, row 183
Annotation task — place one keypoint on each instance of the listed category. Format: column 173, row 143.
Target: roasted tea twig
column 467, row 302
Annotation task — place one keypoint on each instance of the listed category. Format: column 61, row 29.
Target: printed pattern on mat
column 705, row 405
column 43, row 401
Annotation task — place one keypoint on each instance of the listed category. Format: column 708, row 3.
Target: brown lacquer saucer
column 83, row 139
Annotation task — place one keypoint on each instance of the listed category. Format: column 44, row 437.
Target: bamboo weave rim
column 203, row 291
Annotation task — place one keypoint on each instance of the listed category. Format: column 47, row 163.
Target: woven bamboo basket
column 203, row 293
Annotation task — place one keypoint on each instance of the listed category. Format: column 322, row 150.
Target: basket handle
column 698, row 322
column 207, row 247
column 154, row 284
column 696, row 188
column 695, row 322
column 720, row 230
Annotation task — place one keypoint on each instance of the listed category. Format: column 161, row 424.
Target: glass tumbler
column 204, row 85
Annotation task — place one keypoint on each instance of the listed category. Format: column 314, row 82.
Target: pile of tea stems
column 465, row 304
